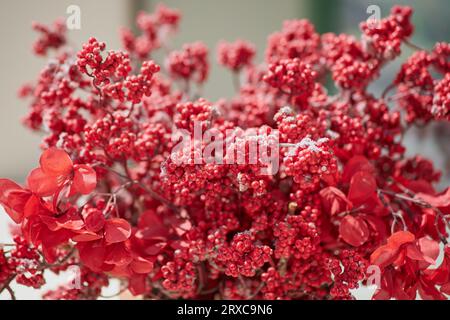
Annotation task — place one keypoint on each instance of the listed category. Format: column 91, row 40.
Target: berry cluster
column 190, row 63
column 235, row 55
column 282, row 191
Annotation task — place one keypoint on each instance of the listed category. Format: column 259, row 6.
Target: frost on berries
column 118, row 195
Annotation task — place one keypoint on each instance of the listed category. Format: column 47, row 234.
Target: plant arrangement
column 282, row 192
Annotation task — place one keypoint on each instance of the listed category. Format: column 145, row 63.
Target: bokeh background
column 206, row 20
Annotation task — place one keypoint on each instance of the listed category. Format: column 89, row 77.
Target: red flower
column 58, row 171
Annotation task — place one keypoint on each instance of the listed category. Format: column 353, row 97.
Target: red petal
column 84, row 180
column 354, row 231
column 42, row 184
column 362, row 187
column 117, row 230
column 56, row 162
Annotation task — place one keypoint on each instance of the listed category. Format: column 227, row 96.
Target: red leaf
column 356, row 164
column 149, row 218
column 362, row 187
column 334, row 200
column 442, row 200
column 413, row 252
column 64, row 222
column 56, row 162
column 156, row 248
column 137, row 284
column 84, row 180
column 86, row 236
column 429, row 248
column 117, row 254
column 383, row 256
column 14, row 199
column 141, row 265
column 117, row 230
column 446, row 288
column 43, row 184
column 95, row 221
column 428, row 291
column 399, row 238
column 92, row 254
column 354, row 231
column 33, row 207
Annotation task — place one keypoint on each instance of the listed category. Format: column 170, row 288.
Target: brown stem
column 387, row 90
column 152, row 193
column 413, row 46
column 423, row 204
column 7, row 283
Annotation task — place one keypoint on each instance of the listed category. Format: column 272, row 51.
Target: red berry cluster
column 235, row 55
column 51, row 37
column 282, row 191
column 91, row 62
column 384, row 38
column 22, row 264
column 291, row 76
column 154, row 31
column 347, row 272
column 310, row 162
column 243, row 257
column 190, row 63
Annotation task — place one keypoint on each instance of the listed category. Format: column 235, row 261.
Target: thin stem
column 414, row 46
column 2, row 245
column 58, row 263
column 11, row 292
column 7, row 283
column 423, row 204
column 130, row 112
column 152, row 193
column 387, row 90
column 236, row 81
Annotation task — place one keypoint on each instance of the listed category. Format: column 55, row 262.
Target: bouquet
column 284, row 191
